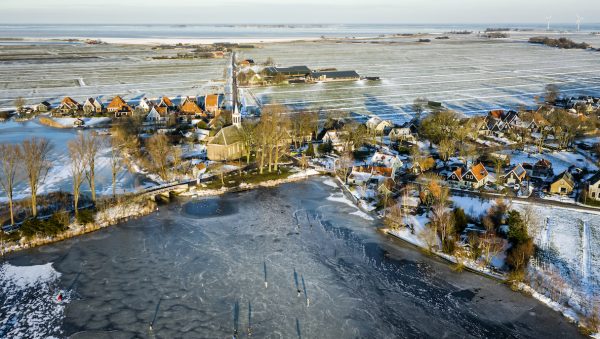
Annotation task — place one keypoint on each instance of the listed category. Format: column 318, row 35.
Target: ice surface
column 28, row 302
column 197, row 273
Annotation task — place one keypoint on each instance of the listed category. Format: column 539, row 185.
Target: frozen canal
column 198, row 269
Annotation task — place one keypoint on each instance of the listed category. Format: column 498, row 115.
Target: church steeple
column 236, row 117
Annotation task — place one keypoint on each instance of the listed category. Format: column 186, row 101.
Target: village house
column 476, row 177
column 246, row 63
column 542, row 169
column 291, row 72
column 165, row 106
column 68, row 106
column 154, row 116
column 211, row 104
column 423, row 165
column 563, row 184
column 42, row 107
column 378, row 125
column 119, row 107
column 516, row 175
column 388, row 161
column 190, row 107
column 371, row 176
column 593, row 187
column 145, row 104
column 402, row 134
column 328, row 76
column 455, row 177
column 93, row 106
column 334, row 137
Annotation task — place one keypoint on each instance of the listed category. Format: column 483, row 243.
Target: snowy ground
column 89, row 122
column 569, row 243
column 468, row 74
column 59, row 176
column 106, row 71
column 28, row 302
column 561, row 161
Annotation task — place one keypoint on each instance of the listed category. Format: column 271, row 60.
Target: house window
column 593, row 194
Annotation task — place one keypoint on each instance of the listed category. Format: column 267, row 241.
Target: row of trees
column 270, row 137
column 30, row 162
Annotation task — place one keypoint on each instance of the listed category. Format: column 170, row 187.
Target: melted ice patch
column 28, row 302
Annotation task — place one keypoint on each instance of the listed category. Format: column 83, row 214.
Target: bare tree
column 77, row 152
column 35, row 153
column 344, row 164
column 159, row 150
column 176, row 154
column 218, row 168
column 248, row 133
column 446, row 149
column 115, row 162
column 19, row 104
column 418, row 107
column 91, row 146
column 10, row 157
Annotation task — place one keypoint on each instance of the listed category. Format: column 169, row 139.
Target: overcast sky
column 296, row 11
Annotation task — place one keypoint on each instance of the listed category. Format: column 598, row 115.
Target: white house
column 154, row 116
column 378, row 125
column 92, row 105
column 385, row 160
column 334, row 137
column 402, row 134
column 145, row 104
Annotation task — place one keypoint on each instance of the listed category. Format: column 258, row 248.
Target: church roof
column 227, row 136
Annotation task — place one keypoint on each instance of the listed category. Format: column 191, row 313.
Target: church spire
column 236, row 117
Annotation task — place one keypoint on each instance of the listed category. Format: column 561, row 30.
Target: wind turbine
column 548, row 18
column 579, row 20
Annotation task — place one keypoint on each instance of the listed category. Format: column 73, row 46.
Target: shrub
column 202, row 125
column 517, row 232
column 50, row 227
column 310, row 151
column 325, row 148
column 519, row 255
column 460, row 220
column 86, row 216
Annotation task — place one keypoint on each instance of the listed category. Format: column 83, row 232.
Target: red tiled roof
column 69, row 101
column 189, row 106
column 479, row 171
column 211, row 100
column 118, row 103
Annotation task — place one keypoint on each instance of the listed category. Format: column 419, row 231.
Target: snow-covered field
column 466, row 74
column 569, row 243
column 561, row 161
column 28, row 305
column 105, row 71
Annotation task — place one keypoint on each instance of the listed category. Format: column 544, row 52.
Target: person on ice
column 59, row 297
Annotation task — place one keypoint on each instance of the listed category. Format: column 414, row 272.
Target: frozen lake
column 197, row 268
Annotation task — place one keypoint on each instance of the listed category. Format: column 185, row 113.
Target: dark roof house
column 335, row 76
